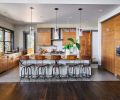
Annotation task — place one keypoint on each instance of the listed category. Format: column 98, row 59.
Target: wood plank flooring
column 60, row 91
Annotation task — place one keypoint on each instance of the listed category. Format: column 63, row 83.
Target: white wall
column 6, row 24
column 19, row 34
column 84, row 26
column 95, row 46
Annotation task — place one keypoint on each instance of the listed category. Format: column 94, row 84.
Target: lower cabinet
column 7, row 63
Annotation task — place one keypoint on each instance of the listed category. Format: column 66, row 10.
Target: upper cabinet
column 68, row 33
column 44, row 36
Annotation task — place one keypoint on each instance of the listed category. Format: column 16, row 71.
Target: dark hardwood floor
column 60, row 91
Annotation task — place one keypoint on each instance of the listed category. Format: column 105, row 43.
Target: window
column 1, row 40
column 6, row 40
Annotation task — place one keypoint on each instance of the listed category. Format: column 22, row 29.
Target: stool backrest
column 39, row 57
column 55, row 57
column 24, row 58
column 71, row 57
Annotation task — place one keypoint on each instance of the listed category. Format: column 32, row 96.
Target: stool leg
column 67, row 72
column 59, row 71
column 23, row 69
column 87, row 71
column 83, row 71
column 80, row 72
column 36, row 73
column 30, row 72
column 52, row 71
column 24, row 72
column 44, row 74
column 75, row 75
column 72, row 72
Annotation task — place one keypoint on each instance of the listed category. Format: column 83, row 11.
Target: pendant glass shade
column 80, row 32
column 56, row 33
column 31, row 28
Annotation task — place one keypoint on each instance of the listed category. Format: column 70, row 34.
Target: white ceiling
column 44, row 13
column 63, row 1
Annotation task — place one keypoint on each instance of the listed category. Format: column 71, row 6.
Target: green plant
column 68, row 46
column 74, row 42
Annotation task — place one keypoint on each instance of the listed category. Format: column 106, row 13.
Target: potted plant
column 73, row 44
column 67, row 48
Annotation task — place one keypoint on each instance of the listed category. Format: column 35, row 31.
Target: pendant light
column 80, row 23
column 56, row 27
column 31, row 24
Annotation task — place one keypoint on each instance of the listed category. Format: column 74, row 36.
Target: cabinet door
column 85, row 42
column 68, row 33
column 44, row 36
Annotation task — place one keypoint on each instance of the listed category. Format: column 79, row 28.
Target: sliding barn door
column 86, row 44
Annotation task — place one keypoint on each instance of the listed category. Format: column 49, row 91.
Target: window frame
column 11, row 38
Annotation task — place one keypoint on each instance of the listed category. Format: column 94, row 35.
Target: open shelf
column 56, row 39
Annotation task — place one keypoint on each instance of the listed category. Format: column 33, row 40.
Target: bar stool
column 71, row 65
column 26, row 70
column 56, row 65
column 86, row 69
column 41, row 67
column 80, row 65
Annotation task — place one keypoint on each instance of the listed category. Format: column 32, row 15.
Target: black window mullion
column 4, row 40
column 12, row 40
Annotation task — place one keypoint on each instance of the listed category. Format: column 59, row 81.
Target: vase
column 67, row 52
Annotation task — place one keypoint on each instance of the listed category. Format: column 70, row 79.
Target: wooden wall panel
column 108, row 45
column 68, row 33
column 117, row 43
column 86, row 44
column 117, row 60
column 110, row 40
column 117, row 27
column 43, row 36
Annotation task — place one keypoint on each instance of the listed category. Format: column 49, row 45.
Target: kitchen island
column 63, row 69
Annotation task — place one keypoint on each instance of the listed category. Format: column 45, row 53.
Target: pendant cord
column 56, row 19
column 80, row 20
column 56, row 9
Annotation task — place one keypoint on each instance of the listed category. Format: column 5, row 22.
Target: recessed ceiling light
column 41, row 16
column 70, row 17
column 100, row 10
column 4, row 12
